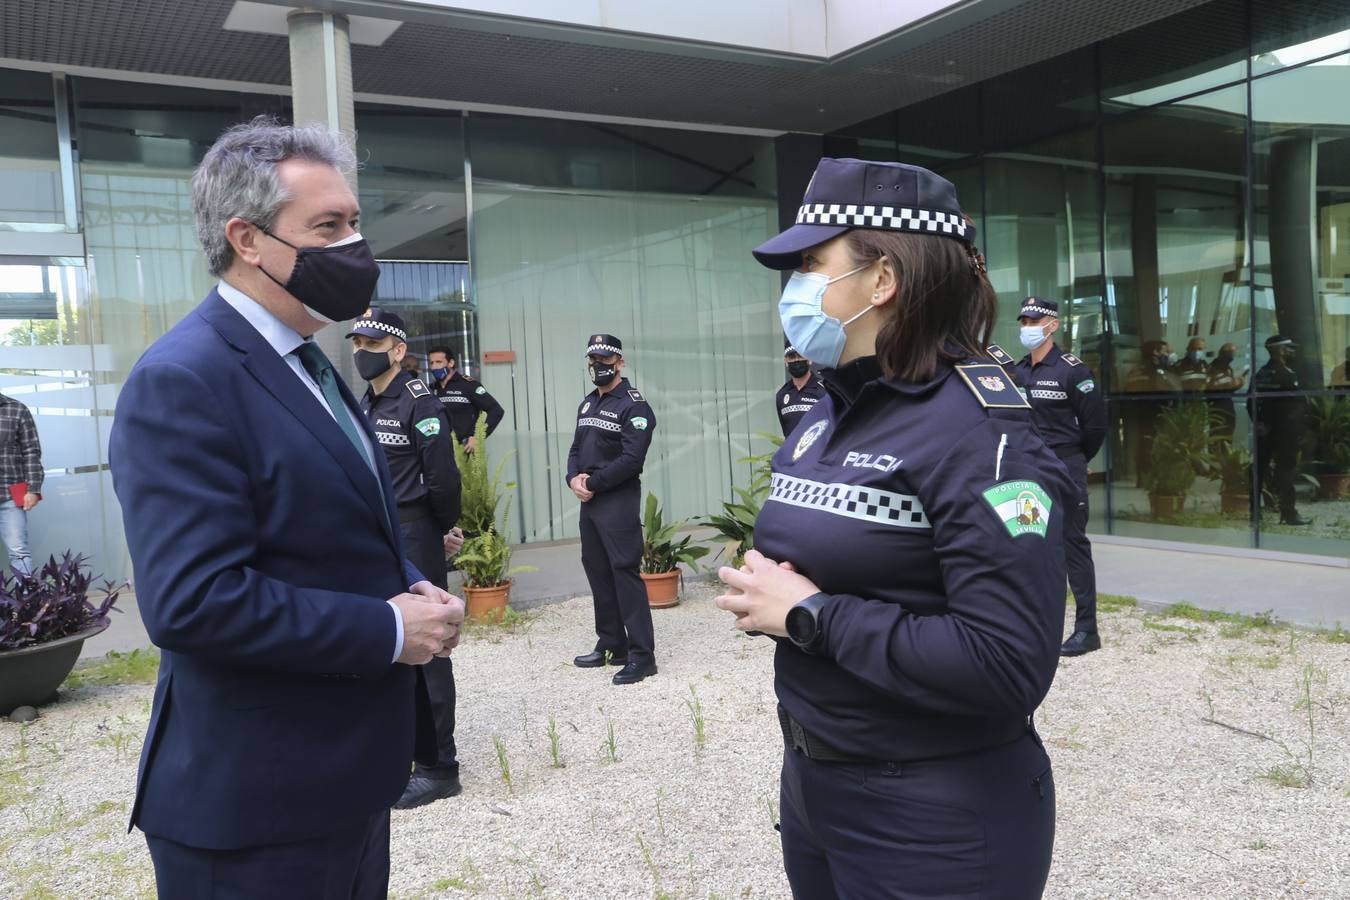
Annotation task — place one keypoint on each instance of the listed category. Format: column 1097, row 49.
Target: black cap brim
column 784, row 251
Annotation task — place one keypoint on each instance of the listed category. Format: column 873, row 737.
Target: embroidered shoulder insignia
column 635, row 395
column 1000, row 355
column 418, row 389
column 1072, row 360
column 992, row 386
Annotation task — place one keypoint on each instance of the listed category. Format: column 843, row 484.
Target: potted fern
column 1180, row 453
column 45, row 618
column 1329, row 422
column 662, row 555
column 480, row 491
column 736, row 523
column 485, row 560
column 1232, row 466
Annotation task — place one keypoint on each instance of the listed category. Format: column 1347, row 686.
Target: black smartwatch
column 803, row 622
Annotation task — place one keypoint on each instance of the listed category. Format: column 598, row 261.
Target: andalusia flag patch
column 1022, row 506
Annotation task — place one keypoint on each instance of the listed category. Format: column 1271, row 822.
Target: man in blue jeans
column 20, row 479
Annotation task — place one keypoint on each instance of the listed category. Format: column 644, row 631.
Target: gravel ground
column 1154, row 801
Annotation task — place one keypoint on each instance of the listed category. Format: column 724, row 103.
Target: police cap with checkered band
column 1038, row 308
column 856, row 193
column 379, row 323
column 604, row 345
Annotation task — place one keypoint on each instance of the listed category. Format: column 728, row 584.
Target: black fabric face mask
column 335, row 283
column 371, row 364
column 602, row 373
column 799, row 367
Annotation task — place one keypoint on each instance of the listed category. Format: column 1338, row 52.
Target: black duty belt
column 417, row 509
column 799, row 739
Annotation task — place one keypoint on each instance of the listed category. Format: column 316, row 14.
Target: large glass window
column 30, row 168
column 566, row 245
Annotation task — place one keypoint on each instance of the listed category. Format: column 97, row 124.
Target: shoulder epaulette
column 992, row 386
column 417, row 388
column 635, row 395
column 1071, row 359
column 1000, row 355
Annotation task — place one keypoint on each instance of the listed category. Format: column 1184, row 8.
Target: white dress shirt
column 286, row 340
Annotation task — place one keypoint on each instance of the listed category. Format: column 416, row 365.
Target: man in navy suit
column 268, row 567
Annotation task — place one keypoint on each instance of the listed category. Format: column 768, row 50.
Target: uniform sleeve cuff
column 398, row 631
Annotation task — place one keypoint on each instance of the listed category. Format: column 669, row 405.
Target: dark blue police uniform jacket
column 263, row 556
column 931, row 515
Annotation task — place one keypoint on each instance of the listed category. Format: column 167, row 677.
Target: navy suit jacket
column 263, row 554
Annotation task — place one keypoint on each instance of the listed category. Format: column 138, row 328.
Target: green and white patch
column 1022, row 506
column 1087, row 386
column 639, row 422
column 429, row 426
column 480, row 390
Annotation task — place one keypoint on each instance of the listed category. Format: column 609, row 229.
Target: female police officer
column 922, row 619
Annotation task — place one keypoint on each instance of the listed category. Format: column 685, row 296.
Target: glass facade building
column 1181, row 190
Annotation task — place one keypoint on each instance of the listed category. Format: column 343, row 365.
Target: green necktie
column 321, row 370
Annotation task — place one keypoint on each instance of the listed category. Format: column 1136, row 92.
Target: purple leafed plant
column 50, row 604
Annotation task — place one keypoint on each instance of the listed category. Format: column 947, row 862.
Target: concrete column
column 321, row 92
column 1293, row 253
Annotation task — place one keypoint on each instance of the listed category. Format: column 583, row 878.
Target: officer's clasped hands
column 762, row 592
column 431, row 622
column 578, row 486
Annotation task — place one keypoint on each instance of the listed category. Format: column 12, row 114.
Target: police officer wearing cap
column 614, row 430
column 909, row 559
column 1279, row 418
column 1069, row 410
column 412, row 431
column 463, row 397
column 799, row 393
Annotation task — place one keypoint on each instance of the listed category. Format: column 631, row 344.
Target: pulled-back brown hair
column 944, row 306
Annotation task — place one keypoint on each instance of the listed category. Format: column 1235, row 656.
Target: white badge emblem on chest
column 807, row 439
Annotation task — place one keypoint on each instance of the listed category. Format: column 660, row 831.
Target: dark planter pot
column 1235, row 504
column 1166, row 506
column 30, row 676
column 1331, row 486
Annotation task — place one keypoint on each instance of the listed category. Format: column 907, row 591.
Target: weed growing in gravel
column 609, row 747
column 12, row 789
column 771, row 805
column 526, row 861
column 1337, row 635
column 660, row 819
column 1299, row 768
column 554, row 744
column 470, row 878
column 1257, row 845
column 1238, row 624
column 513, row 621
column 503, row 763
column 650, row 864
column 136, row 667
column 1115, row 603
column 1189, row 632
column 121, row 741
column 695, row 706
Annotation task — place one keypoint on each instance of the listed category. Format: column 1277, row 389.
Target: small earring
column 876, row 296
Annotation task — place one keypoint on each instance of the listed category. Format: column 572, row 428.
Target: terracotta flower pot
column 1235, row 504
column 1166, row 506
column 487, row 604
column 1331, row 486
column 663, row 588
column 30, row 676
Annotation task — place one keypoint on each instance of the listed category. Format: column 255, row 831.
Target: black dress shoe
column 423, row 789
column 596, row 658
column 634, row 671
column 1081, row 642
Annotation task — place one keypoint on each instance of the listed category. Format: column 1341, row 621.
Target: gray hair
column 238, row 177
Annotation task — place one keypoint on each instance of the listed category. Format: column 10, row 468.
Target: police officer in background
column 1278, row 422
column 410, row 427
column 1222, row 384
column 1069, row 410
column 1193, row 370
column 909, row 559
column 463, row 397
column 614, row 430
column 799, row 393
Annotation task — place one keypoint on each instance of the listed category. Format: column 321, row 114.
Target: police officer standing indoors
column 1278, row 418
column 799, row 393
column 614, row 430
column 909, row 559
column 463, row 397
column 410, row 427
column 1069, row 410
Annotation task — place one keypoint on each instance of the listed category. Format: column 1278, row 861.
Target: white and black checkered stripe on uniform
column 1048, row 395
column 798, row 407
column 596, row 422
column 454, row 398
column 851, row 501
column 605, row 349
column 896, row 218
column 392, row 440
column 381, row 326
column 1034, row 310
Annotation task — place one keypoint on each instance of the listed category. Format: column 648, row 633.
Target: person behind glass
column 1278, row 422
column 909, row 559
column 1340, row 376
column 1071, row 415
column 411, row 429
column 614, row 431
column 410, row 364
column 20, row 480
column 1193, row 370
column 463, row 397
column 1221, row 385
column 1153, row 375
column 799, row 393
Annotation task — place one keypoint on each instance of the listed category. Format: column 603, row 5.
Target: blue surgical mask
column 1032, row 336
column 438, row 374
column 818, row 337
